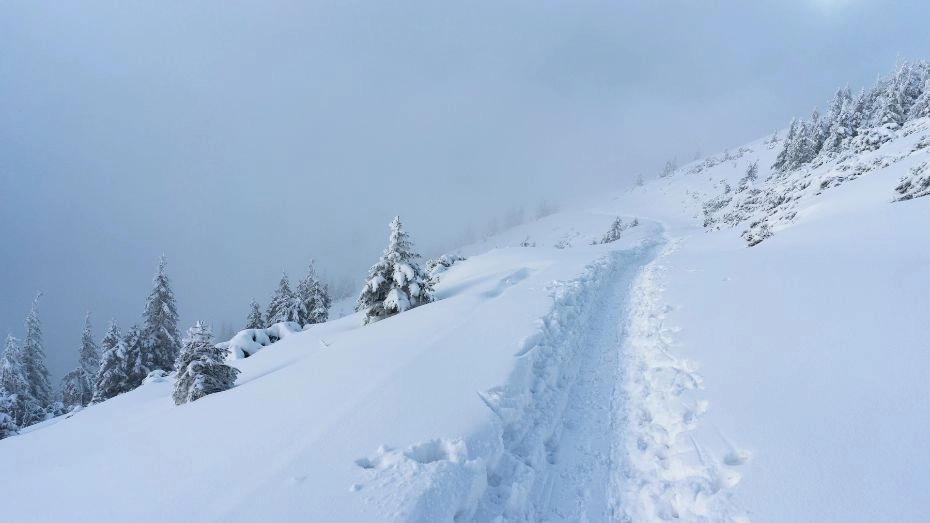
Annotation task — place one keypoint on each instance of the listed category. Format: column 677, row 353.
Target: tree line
column 122, row 361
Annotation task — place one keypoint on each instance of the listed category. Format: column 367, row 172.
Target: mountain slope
column 672, row 374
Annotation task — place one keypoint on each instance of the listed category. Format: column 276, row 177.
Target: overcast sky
column 243, row 138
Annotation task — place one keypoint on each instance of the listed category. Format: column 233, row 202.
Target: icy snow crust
column 674, row 374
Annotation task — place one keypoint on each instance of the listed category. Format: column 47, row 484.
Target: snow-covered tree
column 616, row 230
column 921, row 107
column 90, row 353
column 841, row 122
column 784, row 158
column 14, row 386
column 75, row 389
column 112, row 377
column 33, row 357
column 161, row 340
column 752, row 173
column 254, row 320
column 313, row 299
column 8, row 426
column 284, row 304
column 669, row 168
column 396, row 283
column 134, row 363
column 201, row 367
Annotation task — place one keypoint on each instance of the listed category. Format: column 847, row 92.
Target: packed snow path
column 603, row 431
column 557, row 459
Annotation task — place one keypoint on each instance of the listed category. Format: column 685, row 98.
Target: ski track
column 590, row 426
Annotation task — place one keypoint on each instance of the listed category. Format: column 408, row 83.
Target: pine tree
column 921, row 107
column 111, row 379
column 34, row 358
column 89, row 364
column 8, row 426
column 254, row 320
column 396, row 283
column 134, row 363
column 616, row 230
column 14, row 386
column 313, row 299
column 75, row 389
column 783, row 160
column 161, row 340
column 841, row 122
column 752, row 173
column 90, row 353
column 669, row 168
column 201, row 367
column 283, row 305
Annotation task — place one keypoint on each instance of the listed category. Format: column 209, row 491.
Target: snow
column 673, row 374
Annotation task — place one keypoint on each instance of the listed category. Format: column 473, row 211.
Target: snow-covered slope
column 672, row 374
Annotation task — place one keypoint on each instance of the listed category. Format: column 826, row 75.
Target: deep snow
column 674, row 374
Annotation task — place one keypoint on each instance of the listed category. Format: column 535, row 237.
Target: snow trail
column 593, row 422
column 557, row 412
column 659, row 470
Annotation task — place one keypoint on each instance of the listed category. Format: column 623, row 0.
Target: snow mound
column 249, row 341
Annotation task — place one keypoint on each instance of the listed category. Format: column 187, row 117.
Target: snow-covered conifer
column 75, row 389
column 33, row 357
column 90, row 353
column 669, row 168
column 111, row 378
column 254, row 320
column 752, row 173
column 396, row 283
column 283, row 305
column 921, row 107
column 616, row 230
column 313, row 299
column 783, row 160
column 8, row 426
column 134, row 362
column 161, row 340
column 201, row 367
column 14, row 385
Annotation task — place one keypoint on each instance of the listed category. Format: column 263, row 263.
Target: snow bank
column 249, row 341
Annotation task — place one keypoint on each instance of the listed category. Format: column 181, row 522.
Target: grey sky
column 243, row 138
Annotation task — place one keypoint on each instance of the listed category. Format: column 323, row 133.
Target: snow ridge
column 660, row 471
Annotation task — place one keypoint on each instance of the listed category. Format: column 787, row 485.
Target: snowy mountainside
column 673, row 374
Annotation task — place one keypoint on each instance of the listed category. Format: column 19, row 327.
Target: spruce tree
column 254, row 320
column 75, row 389
column 313, row 299
column 34, row 358
column 134, row 363
column 161, row 340
column 752, row 173
column 283, row 305
column 616, row 230
column 14, row 386
column 201, row 367
column 921, row 107
column 8, row 426
column 396, row 283
column 783, row 160
column 90, row 353
column 111, row 378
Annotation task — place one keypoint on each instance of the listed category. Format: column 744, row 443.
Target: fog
column 241, row 139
